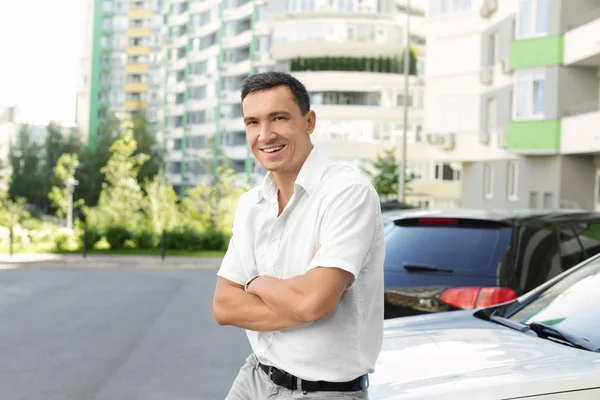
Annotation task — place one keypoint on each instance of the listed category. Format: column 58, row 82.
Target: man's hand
column 232, row 305
column 308, row 298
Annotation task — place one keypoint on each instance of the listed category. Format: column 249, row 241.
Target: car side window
column 578, row 243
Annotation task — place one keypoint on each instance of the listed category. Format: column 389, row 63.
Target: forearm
column 284, row 296
column 238, row 308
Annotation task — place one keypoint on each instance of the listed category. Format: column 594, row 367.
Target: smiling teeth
column 271, row 150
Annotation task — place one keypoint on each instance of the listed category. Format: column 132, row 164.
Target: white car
column 544, row 345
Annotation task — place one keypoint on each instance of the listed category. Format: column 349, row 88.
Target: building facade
column 211, row 48
column 516, row 84
column 120, row 63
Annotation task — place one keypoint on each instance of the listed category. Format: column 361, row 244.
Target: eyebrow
column 271, row 115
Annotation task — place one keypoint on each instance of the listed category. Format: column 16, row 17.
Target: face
column 277, row 132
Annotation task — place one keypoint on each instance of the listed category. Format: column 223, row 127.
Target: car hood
column 454, row 355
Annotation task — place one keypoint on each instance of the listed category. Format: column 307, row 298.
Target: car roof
column 500, row 215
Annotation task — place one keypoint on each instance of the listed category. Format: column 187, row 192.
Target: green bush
column 146, row 240
column 214, row 240
column 31, row 224
column 185, row 239
column 93, row 236
column 118, row 237
column 62, row 241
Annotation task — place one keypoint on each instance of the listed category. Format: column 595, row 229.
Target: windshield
column 570, row 305
column 452, row 247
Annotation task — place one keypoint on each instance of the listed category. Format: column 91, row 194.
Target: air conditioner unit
column 448, row 141
column 484, row 137
column 432, row 138
column 487, row 75
column 488, row 8
column 501, row 137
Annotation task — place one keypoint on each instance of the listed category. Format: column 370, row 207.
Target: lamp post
column 70, row 183
column 402, row 174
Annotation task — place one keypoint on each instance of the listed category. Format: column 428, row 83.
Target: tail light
column 475, row 297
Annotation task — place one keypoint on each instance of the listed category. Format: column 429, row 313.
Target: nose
column 266, row 134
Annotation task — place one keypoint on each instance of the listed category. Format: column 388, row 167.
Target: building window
column 531, row 89
column 532, row 19
column 445, row 172
column 513, row 180
column 488, row 181
column 440, row 7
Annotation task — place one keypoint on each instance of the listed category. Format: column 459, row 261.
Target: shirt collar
column 309, row 176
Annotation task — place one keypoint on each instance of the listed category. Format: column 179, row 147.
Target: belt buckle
column 364, row 382
column 270, row 373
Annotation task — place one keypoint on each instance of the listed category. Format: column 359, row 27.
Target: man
column 303, row 273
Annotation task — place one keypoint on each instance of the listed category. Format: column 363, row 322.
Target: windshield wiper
column 501, row 321
column 424, row 268
column 546, row 331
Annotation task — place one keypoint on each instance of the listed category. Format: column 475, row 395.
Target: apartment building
column 349, row 55
column 211, row 47
column 120, row 62
column 515, row 84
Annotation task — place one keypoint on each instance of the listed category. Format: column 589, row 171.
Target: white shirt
column 336, row 207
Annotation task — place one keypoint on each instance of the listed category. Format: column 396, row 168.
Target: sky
column 39, row 54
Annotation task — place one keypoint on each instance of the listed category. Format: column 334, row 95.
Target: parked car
column 542, row 345
column 444, row 260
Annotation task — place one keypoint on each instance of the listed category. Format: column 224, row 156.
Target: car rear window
column 464, row 246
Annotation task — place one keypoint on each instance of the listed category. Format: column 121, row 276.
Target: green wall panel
column 537, row 52
column 537, row 136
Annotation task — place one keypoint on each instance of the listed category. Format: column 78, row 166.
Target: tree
column 212, row 206
column 26, row 164
column 385, row 174
column 121, row 199
column 59, row 194
column 160, row 204
column 146, row 144
column 89, row 174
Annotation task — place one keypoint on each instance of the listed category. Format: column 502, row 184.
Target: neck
column 285, row 184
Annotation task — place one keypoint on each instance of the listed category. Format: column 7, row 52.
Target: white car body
column 455, row 355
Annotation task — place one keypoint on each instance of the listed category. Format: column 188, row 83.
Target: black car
column 443, row 260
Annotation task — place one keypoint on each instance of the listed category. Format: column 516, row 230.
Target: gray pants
column 252, row 383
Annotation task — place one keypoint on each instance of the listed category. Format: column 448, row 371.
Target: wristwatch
column 249, row 282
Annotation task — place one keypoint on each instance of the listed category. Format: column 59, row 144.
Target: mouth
column 271, row 150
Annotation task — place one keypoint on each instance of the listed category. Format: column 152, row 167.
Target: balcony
column 336, row 112
column 241, row 40
column 179, row 19
column 138, row 50
column 139, row 14
column 234, row 69
column 582, row 44
column 135, row 105
column 136, row 87
column 230, row 96
column 137, row 68
column 237, row 13
column 138, row 32
column 579, row 129
column 236, row 152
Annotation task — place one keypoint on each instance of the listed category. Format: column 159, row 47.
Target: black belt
column 291, row 382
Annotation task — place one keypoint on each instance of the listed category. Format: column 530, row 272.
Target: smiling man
column 303, row 274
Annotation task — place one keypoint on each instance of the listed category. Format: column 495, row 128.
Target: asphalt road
column 113, row 334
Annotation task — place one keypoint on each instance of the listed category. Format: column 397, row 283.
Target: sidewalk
column 102, row 260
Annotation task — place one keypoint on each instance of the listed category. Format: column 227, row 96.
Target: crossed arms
column 277, row 304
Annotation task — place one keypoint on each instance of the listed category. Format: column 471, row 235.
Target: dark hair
column 270, row 80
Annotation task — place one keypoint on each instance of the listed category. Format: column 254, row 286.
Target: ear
column 311, row 121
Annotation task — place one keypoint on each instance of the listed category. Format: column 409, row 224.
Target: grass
column 147, row 252
column 126, row 252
